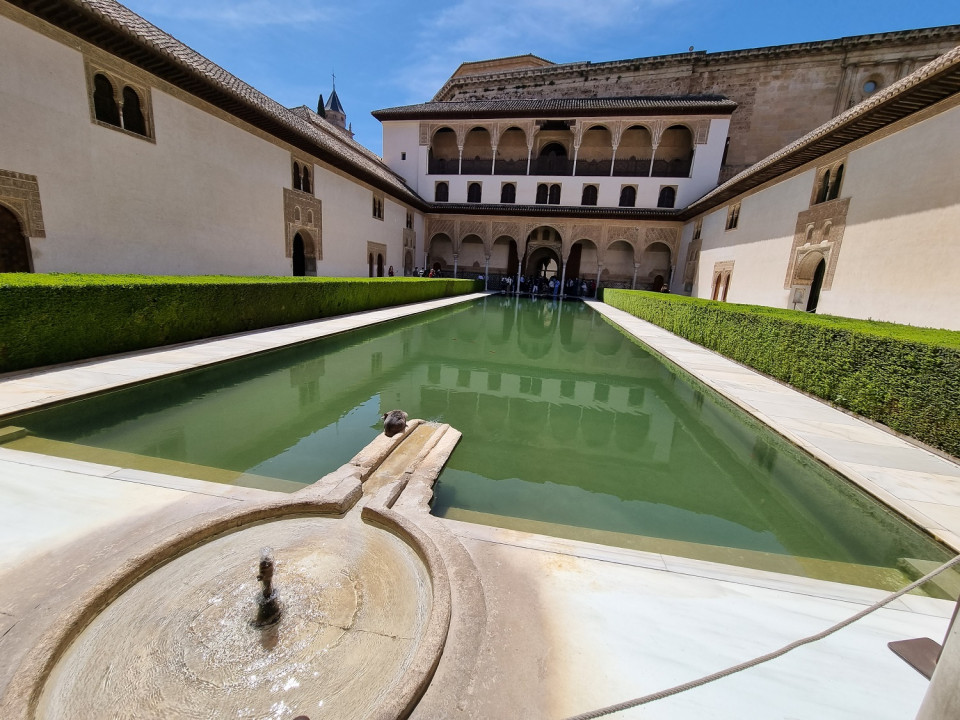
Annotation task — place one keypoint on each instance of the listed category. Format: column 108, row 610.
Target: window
column 668, row 196
column 441, row 192
column 733, row 216
column 300, row 170
column 828, row 183
column 409, row 220
column 403, row 156
column 508, row 193
column 378, row 207
column 474, row 191
column 697, row 229
column 589, row 196
column 542, row 192
column 306, row 180
column 297, row 185
column 118, row 102
column 554, row 195
column 628, row 196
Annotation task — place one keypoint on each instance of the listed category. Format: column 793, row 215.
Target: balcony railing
column 631, row 167
column 552, row 166
column 672, row 168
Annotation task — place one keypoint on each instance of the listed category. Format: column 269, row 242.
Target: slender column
column 459, row 159
column 613, row 160
column 455, row 256
column 653, row 156
column 576, row 151
column 529, row 156
column 493, row 162
column 486, row 272
column 596, row 285
column 563, row 276
column 636, row 268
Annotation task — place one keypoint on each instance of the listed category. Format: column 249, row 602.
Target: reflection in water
column 565, row 420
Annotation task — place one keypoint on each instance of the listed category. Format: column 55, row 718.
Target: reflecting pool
column 570, row 428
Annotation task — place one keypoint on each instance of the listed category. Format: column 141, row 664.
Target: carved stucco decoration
column 21, row 194
column 819, row 230
column 668, row 236
column 302, row 212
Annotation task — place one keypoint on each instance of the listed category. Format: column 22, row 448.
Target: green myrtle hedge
column 905, row 377
column 47, row 319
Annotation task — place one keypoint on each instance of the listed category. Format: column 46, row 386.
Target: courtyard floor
column 570, row 626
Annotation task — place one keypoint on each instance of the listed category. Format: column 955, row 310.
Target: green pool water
column 569, row 426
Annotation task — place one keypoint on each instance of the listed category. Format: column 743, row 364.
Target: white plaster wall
column 759, row 246
column 403, row 136
column 206, row 198
column 898, row 260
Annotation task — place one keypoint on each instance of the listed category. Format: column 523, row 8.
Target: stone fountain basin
column 356, row 601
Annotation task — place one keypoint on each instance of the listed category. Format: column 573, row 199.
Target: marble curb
column 331, row 497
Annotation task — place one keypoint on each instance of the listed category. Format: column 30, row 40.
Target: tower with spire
column 333, row 110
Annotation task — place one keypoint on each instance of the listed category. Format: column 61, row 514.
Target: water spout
column 268, row 605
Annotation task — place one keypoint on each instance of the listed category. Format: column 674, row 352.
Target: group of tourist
column 540, row 285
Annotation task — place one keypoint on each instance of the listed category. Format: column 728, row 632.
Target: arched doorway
column 816, row 285
column 552, row 160
column 370, row 264
column 299, row 259
column 14, row 251
column 544, row 262
column 408, row 263
column 379, row 265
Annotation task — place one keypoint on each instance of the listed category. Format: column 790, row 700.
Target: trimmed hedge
column 55, row 318
column 905, row 377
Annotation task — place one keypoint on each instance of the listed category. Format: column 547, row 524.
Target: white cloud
column 485, row 29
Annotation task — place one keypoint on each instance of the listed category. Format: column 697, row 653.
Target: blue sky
column 388, row 52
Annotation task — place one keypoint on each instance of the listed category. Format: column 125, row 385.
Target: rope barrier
column 763, row 658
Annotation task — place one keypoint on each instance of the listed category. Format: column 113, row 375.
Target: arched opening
column 835, row 187
column 544, row 263
column 133, row 119
column 726, row 287
column 472, row 256
column 379, row 265
column 543, row 191
column 595, row 153
column 583, row 267
column 668, row 197
column 589, row 196
column 552, row 160
column 306, row 180
column 477, row 153
column 816, row 286
column 440, row 254
column 657, row 283
column 299, row 258
column 512, row 153
column 441, row 192
column 634, row 153
column 14, row 251
column 674, row 154
column 297, row 185
column 508, row 193
column 628, row 196
column 716, row 286
column 654, row 260
column 408, row 263
column 443, row 156
column 474, row 191
column 824, row 187
column 104, row 102
column 370, row 265
column 554, row 198
column 618, row 265
column 504, row 261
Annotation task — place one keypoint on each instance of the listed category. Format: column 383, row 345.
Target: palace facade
column 818, row 176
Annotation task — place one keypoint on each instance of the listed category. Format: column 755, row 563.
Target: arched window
column 508, row 193
column 104, row 103
column 542, row 191
column 628, row 196
column 473, row 192
column 668, row 197
column 589, row 196
column 554, row 195
column 835, row 187
column 296, row 177
column 133, row 112
column 824, row 187
column 441, row 192
column 306, row 180
column 296, row 214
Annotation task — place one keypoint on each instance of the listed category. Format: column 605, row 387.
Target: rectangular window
column 733, row 216
column 403, row 156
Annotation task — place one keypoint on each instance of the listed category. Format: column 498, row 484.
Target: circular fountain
column 330, row 631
